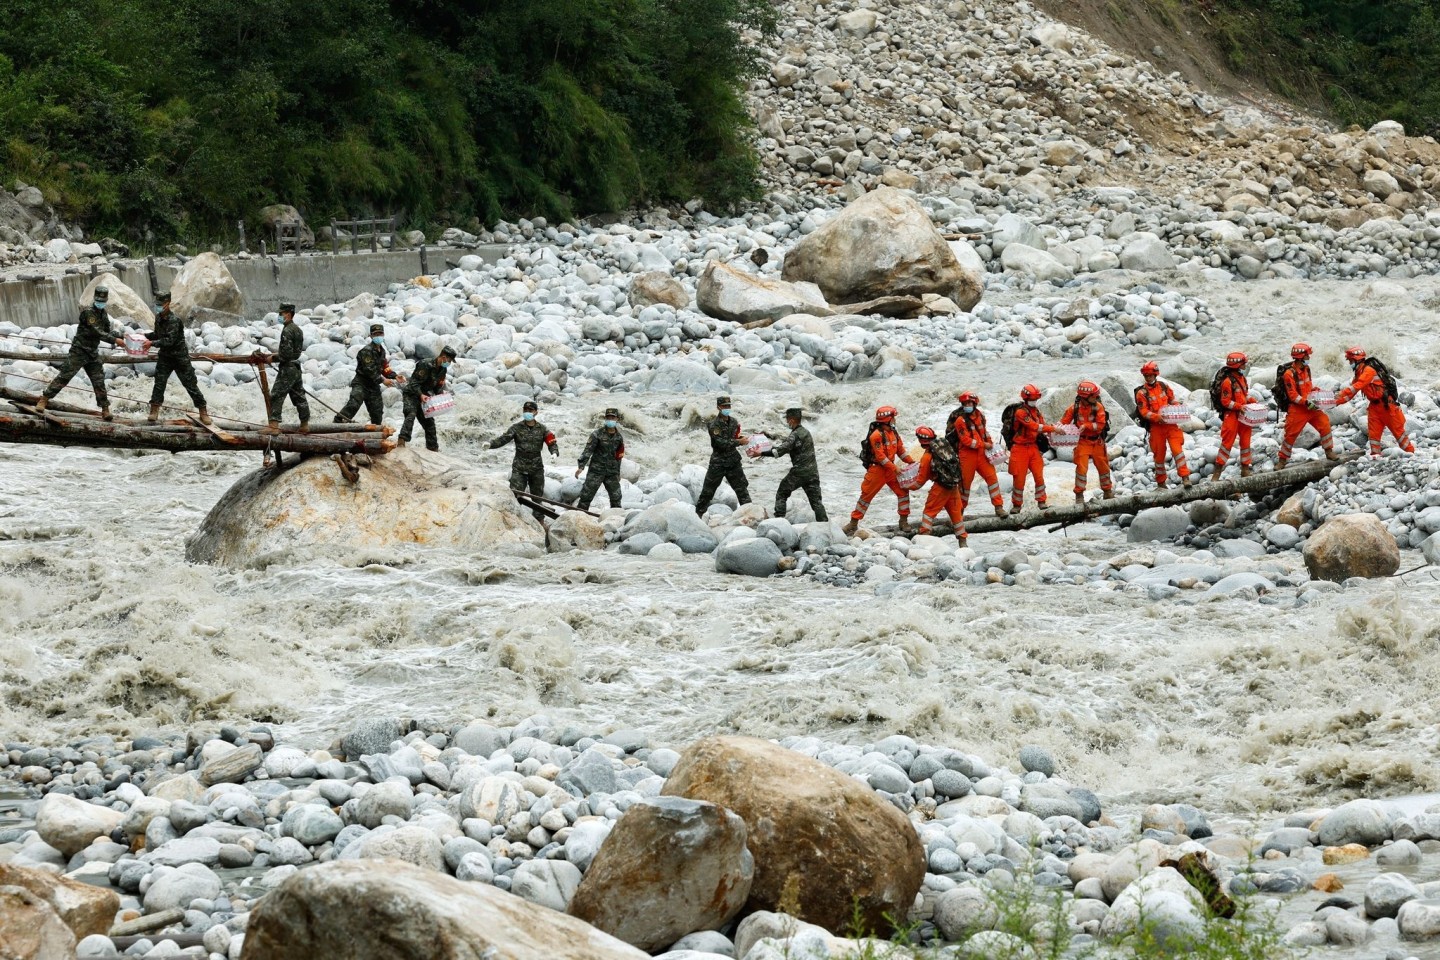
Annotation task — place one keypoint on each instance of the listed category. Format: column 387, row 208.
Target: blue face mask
column 159, row 309
column 380, row 341
column 610, row 424
column 99, row 304
column 527, row 416
column 968, row 408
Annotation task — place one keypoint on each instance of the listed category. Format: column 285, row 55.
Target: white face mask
column 1030, row 403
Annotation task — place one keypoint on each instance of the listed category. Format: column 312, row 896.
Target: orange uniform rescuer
column 1028, row 425
column 940, row 467
column 1089, row 414
column 1373, row 379
column 1152, row 397
column 1292, row 393
column 1230, row 392
column 971, row 437
column 882, row 453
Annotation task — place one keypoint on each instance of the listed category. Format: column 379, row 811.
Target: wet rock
column 1419, row 919
column 30, row 929
column 1163, row 901
column 1158, row 523
column 573, row 530
column 232, row 767
column 70, row 825
column 965, row 910
column 670, row 867
column 1386, row 893
column 1354, row 545
column 756, row 557
column 728, row 293
column 87, row 910
column 175, row 887
column 205, row 283
column 1362, row 822
column 409, row 496
column 424, row 916
column 849, row 851
column 883, row 244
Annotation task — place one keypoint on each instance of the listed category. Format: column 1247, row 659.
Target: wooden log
column 124, row 359
column 1296, row 475
column 79, row 431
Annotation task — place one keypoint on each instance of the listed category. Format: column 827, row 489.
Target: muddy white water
column 1233, row 705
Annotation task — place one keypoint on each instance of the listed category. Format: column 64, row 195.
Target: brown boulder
column 30, row 929
column 669, row 868
column 882, row 245
column 389, row 910
column 85, row 909
column 657, row 287
column 826, row 836
column 1292, row 511
column 1355, row 545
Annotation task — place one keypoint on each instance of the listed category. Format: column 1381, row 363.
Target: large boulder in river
column 389, row 910
column 284, row 213
column 1355, row 545
column 85, row 908
column 884, row 244
column 656, row 287
column 205, row 284
column 70, row 825
column 822, row 837
column 124, row 304
column 728, row 293
column 408, row 496
column 669, row 868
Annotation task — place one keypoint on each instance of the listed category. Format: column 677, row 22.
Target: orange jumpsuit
column 1025, row 455
column 889, row 451
column 1092, row 419
column 1234, row 394
column 973, row 443
column 1149, row 401
column 941, row 498
column 1385, row 414
column 1296, row 387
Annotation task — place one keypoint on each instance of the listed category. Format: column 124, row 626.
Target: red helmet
column 925, row 435
column 1355, row 354
column 1151, row 369
column 886, row 414
column 1029, row 392
column 1087, row 389
column 968, row 397
column 1301, row 351
column 1236, row 360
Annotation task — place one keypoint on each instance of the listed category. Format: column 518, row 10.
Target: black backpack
column 1220, row 376
column 950, row 435
column 944, row 463
column 1282, row 396
column 1392, row 389
column 867, row 455
column 1007, row 424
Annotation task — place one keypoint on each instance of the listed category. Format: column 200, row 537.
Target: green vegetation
column 175, row 117
column 1366, row 60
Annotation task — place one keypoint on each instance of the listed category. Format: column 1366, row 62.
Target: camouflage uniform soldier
column 427, row 380
column 289, row 381
column 530, row 438
column 168, row 338
column 603, row 453
column 804, row 471
column 84, row 354
column 372, row 371
column 725, row 463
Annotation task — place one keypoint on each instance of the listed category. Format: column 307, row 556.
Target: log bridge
column 66, row 425
column 1295, row 475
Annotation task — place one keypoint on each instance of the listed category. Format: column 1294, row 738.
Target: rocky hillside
column 951, row 98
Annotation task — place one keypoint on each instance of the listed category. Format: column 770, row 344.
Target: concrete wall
column 265, row 282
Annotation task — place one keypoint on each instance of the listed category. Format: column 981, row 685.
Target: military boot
column 1245, row 471
column 1000, row 510
column 105, row 414
column 904, row 524
column 1214, row 477
column 1163, row 485
column 1108, row 495
column 1331, row 455
column 850, row 528
column 304, row 426
column 272, row 428
column 154, row 413
column 1188, row 482
column 963, row 539
column 41, row 404
column 204, row 416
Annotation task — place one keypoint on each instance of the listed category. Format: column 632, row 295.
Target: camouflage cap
column 162, row 296
column 722, row 402
column 448, row 352
column 612, row 412
column 287, row 308
column 102, row 293
column 377, row 329
column 794, row 412
column 530, row 405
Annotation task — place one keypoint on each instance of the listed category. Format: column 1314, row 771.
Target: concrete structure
column 265, row 281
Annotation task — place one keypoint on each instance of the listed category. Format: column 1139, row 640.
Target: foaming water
column 1230, row 704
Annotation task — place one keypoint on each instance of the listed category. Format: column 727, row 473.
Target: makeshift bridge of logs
column 67, row 425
